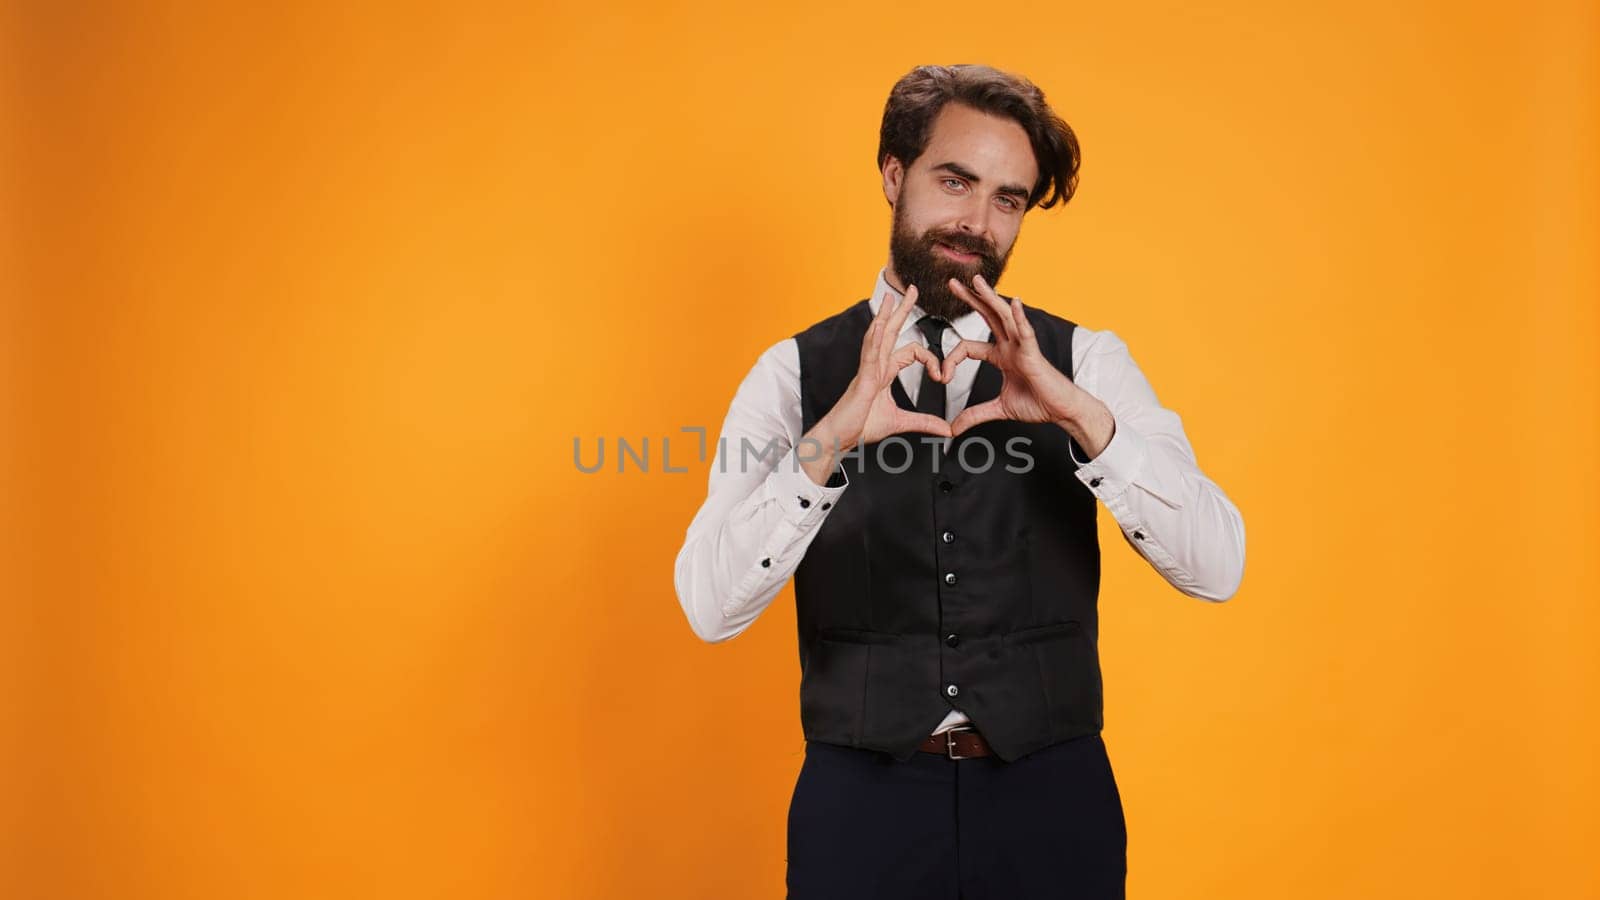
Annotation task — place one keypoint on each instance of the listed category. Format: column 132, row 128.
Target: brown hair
column 920, row 94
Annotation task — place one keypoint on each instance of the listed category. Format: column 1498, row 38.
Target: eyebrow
column 1015, row 190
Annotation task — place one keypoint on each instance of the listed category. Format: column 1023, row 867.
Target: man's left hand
column 1034, row 390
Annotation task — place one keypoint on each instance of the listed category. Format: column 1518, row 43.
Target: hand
column 1034, row 390
column 867, row 411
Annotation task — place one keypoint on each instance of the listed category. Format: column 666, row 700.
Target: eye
column 1011, row 202
column 955, row 181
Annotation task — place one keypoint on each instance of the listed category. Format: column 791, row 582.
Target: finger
column 923, row 422
column 884, row 306
column 992, row 314
column 995, row 305
column 964, row 350
column 973, row 416
column 1024, row 327
column 915, row 352
column 872, row 343
column 1013, row 306
column 968, row 297
column 898, row 321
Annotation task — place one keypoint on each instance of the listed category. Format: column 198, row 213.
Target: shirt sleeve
column 761, row 509
column 1178, row 519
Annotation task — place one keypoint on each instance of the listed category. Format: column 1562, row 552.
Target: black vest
column 972, row 587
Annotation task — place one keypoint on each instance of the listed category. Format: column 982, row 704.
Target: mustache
column 963, row 243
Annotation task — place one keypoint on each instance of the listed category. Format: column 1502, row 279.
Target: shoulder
column 778, row 367
column 1038, row 315
column 1102, row 361
column 1058, row 336
column 779, row 364
column 1090, row 348
column 852, row 320
column 782, row 359
column 1097, row 342
column 1084, row 338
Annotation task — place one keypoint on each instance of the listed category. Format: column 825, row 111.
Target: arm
column 1144, row 471
column 753, row 528
column 770, row 491
column 1141, row 466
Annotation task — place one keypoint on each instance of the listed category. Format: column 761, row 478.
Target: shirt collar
column 969, row 325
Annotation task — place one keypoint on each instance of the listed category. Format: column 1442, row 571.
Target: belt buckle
column 950, row 742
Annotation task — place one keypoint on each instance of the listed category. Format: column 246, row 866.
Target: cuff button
column 766, row 563
column 1094, row 482
column 1138, row 535
column 804, row 503
column 827, row 505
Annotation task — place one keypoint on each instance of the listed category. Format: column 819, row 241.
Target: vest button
column 766, row 563
column 947, row 537
column 1138, row 535
column 952, row 639
column 951, row 690
column 1094, row 482
column 949, row 578
column 946, row 487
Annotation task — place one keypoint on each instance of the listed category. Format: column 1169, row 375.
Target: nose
column 974, row 217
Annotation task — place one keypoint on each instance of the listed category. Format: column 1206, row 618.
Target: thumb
column 974, row 416
column 925, row 423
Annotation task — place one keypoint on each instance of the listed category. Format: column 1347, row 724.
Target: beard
column 919, row 262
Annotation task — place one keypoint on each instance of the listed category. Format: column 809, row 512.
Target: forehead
column 993, row 147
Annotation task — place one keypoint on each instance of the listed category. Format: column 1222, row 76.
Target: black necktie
column 930, row 397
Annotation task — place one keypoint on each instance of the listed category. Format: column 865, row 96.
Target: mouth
column 953, row 253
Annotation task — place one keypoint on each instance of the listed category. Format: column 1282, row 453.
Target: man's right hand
column 867, row 411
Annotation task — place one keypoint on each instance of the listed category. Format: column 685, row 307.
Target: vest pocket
column 833, row 687
column 1069, row 673
column 1043, row 632
column 856, row 636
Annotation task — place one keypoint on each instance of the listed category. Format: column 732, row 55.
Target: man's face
column 959, row 207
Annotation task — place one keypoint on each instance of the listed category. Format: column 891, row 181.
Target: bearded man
column 928, row 465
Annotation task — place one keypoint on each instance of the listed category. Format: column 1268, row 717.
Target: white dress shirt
column 750, row 534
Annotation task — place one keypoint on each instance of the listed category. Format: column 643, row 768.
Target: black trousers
column 1048, row 825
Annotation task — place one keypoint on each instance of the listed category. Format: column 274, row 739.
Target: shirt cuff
column 803, row 501
column 1126, row 460
column 1117, row 466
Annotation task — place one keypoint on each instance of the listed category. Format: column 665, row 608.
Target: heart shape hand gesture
column 1034, row 390
column 881, row 364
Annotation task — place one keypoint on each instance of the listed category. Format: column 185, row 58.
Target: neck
column 893, row 277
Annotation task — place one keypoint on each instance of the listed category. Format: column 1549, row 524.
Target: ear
column 893, row 179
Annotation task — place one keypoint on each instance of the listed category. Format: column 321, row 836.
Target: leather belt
column 960, row 742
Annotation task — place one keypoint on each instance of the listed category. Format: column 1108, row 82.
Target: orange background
column 304, row 310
